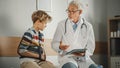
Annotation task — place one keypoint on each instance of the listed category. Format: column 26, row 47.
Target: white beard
column 71, row 20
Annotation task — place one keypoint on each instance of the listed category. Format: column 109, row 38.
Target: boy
column 30, row 47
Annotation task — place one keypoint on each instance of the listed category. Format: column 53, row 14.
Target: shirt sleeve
column 57, row 38
column 25, row 42
column 91, row 42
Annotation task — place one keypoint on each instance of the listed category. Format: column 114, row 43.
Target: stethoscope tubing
column 83, row 24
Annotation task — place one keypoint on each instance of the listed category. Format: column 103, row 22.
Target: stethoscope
column 82, row 25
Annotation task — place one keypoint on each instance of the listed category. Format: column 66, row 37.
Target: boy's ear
column 80, row 11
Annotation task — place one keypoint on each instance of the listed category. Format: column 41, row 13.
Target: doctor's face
column 73, row 13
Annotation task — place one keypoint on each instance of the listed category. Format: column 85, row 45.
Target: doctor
column 74, row 33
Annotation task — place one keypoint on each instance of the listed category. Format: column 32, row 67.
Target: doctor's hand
column 63, row 46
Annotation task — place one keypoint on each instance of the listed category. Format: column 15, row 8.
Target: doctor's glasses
column 73, row 11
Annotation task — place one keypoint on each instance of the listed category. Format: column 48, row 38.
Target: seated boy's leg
column 29, row 64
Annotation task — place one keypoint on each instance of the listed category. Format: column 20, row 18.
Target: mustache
column 71, row 19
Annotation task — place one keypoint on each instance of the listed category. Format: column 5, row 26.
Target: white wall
column 58, row 13
column 15, row 16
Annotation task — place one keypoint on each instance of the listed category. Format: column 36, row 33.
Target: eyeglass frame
column 73, row 11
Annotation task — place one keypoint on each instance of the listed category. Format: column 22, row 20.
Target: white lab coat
column 76, row 40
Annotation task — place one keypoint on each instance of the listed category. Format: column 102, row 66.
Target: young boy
column 30, row 46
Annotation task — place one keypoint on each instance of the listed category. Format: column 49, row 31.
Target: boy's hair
column 41, row 16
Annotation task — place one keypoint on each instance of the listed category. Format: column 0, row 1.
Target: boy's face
column 41, row 25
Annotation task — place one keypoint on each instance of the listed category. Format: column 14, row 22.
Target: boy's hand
column 35, row 43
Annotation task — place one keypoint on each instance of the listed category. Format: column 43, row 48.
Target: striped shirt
column 29, row 36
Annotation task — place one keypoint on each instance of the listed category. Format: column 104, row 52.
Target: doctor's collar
column 79, row 21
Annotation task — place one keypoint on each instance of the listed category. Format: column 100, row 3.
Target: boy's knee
column 29, row 65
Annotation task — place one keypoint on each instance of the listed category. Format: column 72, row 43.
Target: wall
column 58, row 13
column 100, row 20
column 15, row 17
column 113, row 8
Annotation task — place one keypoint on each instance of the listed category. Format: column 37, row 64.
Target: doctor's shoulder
column 62, row 22
column 89, row 25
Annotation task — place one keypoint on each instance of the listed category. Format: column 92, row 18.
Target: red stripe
column 35, row 37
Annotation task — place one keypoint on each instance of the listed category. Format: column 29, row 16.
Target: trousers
column 41, row 64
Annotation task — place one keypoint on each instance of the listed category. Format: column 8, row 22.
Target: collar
column 80, row 21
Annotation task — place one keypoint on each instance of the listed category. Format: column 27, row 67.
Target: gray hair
column 77, row 3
